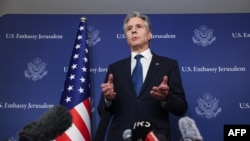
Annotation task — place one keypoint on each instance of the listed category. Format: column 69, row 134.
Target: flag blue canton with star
column 77, row 83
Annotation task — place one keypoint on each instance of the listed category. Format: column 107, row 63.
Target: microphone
column 52, row 124
column 189, row 130
column 102, row 127
column 141, row 129
column 151, row 137
column 127, row 135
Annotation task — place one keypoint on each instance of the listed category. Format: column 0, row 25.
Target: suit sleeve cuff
column 163, row 103
column 107, row 103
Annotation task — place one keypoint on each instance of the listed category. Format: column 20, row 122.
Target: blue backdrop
column 212, row 50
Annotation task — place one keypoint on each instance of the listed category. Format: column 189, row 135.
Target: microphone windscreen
column 52, row 124
column 29, row 132
column 189, row 129
column 141, row 129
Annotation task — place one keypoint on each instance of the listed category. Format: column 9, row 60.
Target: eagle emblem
column 93, row 36
column 36, row 70
column 203, row 36
column 208, row 106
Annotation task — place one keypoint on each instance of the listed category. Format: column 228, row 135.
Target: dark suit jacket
column 126, row 108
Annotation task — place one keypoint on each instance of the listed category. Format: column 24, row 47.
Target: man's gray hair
column 145, row 18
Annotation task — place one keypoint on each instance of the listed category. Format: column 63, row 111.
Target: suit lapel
column 126, row 72
column 152, row 71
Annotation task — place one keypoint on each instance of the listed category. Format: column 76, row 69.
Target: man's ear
column 150, row 36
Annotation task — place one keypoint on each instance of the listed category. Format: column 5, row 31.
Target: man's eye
column 129, row 28
column 138, row 26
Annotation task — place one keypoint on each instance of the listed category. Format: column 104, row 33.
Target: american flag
column 76, row 92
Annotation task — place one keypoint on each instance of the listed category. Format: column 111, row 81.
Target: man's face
column 137, row 34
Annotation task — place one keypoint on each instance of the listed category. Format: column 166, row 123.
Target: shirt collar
column 146, row 54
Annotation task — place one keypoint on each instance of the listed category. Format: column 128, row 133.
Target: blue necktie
column 137, row 77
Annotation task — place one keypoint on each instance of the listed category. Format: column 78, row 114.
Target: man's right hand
column 108, row 88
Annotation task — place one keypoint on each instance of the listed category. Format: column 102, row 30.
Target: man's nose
column 133, row 31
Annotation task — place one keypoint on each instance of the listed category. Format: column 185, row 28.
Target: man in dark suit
column 162, row 91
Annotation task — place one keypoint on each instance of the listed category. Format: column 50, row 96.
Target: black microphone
column 102, row 127
column 189, row 130
column 52, row 124
column 160, row 137
column 127, row 135
column 141, row 129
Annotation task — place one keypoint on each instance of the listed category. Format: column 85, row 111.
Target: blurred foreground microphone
column 189, row 130
column 143, row 131
column 102, row 127
column 52, row 124
column 127, row 135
